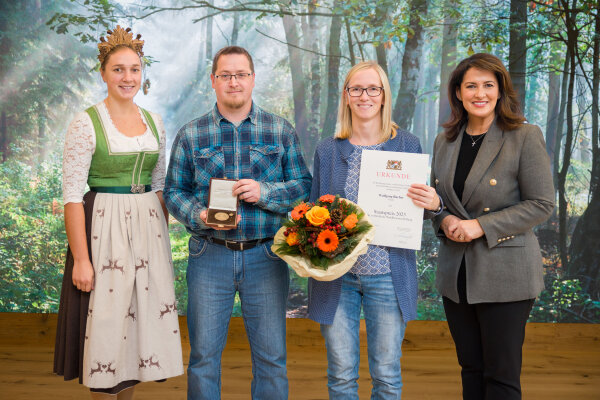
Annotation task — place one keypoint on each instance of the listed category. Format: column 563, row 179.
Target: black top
column 466, row 157
column 469, row 147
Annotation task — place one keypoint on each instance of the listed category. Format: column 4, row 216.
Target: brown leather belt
column 237, row 245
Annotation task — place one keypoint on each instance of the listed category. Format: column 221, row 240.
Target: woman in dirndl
column 117, row 323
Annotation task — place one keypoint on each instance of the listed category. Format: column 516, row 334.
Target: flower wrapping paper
column 304, row 268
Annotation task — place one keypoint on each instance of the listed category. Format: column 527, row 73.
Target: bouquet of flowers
column 323, row 239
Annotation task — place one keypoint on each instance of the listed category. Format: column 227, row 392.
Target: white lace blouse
column 80, row 144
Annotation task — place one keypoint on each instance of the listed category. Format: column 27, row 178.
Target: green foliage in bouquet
column 325, row 232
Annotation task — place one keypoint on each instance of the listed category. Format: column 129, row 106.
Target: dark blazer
column 509, row 190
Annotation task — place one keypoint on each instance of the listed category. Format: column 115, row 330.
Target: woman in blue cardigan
column 384, row 280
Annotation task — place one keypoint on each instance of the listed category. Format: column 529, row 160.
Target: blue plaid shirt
column 264, row 147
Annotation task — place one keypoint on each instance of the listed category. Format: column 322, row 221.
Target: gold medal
column 221, row 216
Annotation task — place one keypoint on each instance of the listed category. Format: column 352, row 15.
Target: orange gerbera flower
column 327, row 241
column 327, row 198
column 292, row 239
column 350, row 221
column 299, row 211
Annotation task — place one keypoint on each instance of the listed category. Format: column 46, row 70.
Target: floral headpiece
column 119, row 37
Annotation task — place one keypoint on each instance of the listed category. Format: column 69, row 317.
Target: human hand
column 449, row 225
column 159, row 194
column 204, row 215
column 83, row 275
column 247, row 190
column 424, row 196
column 468, row 230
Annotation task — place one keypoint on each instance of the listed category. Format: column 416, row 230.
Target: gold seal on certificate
column 385, row 177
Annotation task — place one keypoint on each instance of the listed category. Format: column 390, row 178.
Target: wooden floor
column 561, row 361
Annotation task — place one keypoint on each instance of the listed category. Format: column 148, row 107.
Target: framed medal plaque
column 222, row 204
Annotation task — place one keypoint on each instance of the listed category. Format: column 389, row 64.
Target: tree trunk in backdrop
column 380, row 51
column 432, row 126
column 5, row 46
column 315, row 76
column 582, row 142
column 449, row 40
column 517, row 57
column 4, row 140
column 208, row 38
column 561, row 117
column 333, row 75
column 553, row 107
column 419, row 122
column 432, row 110
column 235, row 29
column 530, row 105
column 570, row 21
column 350, row 42
column 37, row 12
column 409, row 84
column 298, row 83
column 310, row 32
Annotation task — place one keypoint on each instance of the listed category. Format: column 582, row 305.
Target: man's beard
column 235, row 104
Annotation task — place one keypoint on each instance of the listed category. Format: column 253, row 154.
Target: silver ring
column 461, row 237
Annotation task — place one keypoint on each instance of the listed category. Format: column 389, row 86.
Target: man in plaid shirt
column 237, row 140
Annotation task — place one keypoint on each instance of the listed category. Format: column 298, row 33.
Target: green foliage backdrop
column 302, row 50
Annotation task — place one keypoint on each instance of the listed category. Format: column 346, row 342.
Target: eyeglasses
column 372, row 91
column 239, row 77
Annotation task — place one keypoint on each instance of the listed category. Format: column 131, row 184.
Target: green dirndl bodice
column 120, row 172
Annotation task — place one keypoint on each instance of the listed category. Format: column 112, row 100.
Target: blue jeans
column 214, row 275
column 385, row 332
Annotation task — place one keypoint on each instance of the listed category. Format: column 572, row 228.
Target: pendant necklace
column 479, row 137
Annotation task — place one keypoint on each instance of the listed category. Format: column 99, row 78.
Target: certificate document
column 385, row 177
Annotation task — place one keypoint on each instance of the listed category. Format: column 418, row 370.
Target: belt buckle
column 138, row 189
column 240, row 244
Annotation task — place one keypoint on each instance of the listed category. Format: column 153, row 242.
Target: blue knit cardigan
column 329, row 177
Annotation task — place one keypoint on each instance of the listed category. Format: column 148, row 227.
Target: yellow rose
column 317, row 215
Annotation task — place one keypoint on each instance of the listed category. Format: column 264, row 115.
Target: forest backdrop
column 302, row 51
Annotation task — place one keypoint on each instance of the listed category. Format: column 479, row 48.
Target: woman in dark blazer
column 491, row 169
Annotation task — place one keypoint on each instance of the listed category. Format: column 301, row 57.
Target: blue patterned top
column 377, row 259
column 264, row 147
